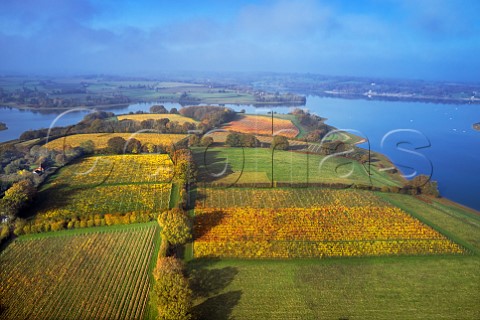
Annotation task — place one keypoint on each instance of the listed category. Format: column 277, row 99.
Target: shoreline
column 395, row 98
column 260, row 104
column 117, row 105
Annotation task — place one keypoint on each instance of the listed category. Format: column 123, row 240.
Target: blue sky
column 420, row 39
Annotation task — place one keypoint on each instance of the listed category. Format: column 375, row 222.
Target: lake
column 417, row 137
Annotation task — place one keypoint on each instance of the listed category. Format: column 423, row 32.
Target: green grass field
column 375, row 288
column 288, row 167
column 101, row 273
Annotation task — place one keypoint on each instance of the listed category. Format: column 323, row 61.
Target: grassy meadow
column 254, row 165
column 357, row 288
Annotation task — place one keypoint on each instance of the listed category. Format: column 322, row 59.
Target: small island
column 3, row 126
column 476, row 126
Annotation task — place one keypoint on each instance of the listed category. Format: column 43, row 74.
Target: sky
column 415, row 39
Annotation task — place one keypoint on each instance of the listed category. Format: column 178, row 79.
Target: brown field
column 263, row 125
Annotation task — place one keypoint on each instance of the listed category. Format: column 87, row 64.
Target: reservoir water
column 424, row 138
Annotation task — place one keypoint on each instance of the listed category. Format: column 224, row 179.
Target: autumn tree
column 250, row 141
column 193, row 140
column 279, row 143
column 133, row 146
column 316, row 135
column 4, row 232
column 158, row 109
column 185, row 170
column 149, row 147
column 175, row 226
column 206, row 141
column 15, row 166
column 209, row 116
column 116, row 145
column 18, row 196
column 234, row 140
column 88, row 146
column 424, row 185
column 171, row 290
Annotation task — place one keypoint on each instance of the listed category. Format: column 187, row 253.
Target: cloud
column 285, row 19
column 441, row 19
column 29, row 16
column 395, row 39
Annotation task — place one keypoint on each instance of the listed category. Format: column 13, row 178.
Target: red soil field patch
column 263, row 125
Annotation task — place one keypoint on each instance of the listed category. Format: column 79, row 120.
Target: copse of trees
column 242, row 140
column 15, row 166
column 209, row 116
column 103, row 124
column 234, row 140
column 116, row 145
column 313, row 123
column 4, row 233
column 422, row 184
column 279, row 143
column 316, row 135
column 15, row 162
column 133, row 146
column 206, row 141
column 175, row 225
column 87, row 146
column 193, row 140
column 185, row 170
column 171, row 290
column 18, row 197
column 158, row 109
column 100, row 115
column 250, row 141
column 333, row 147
